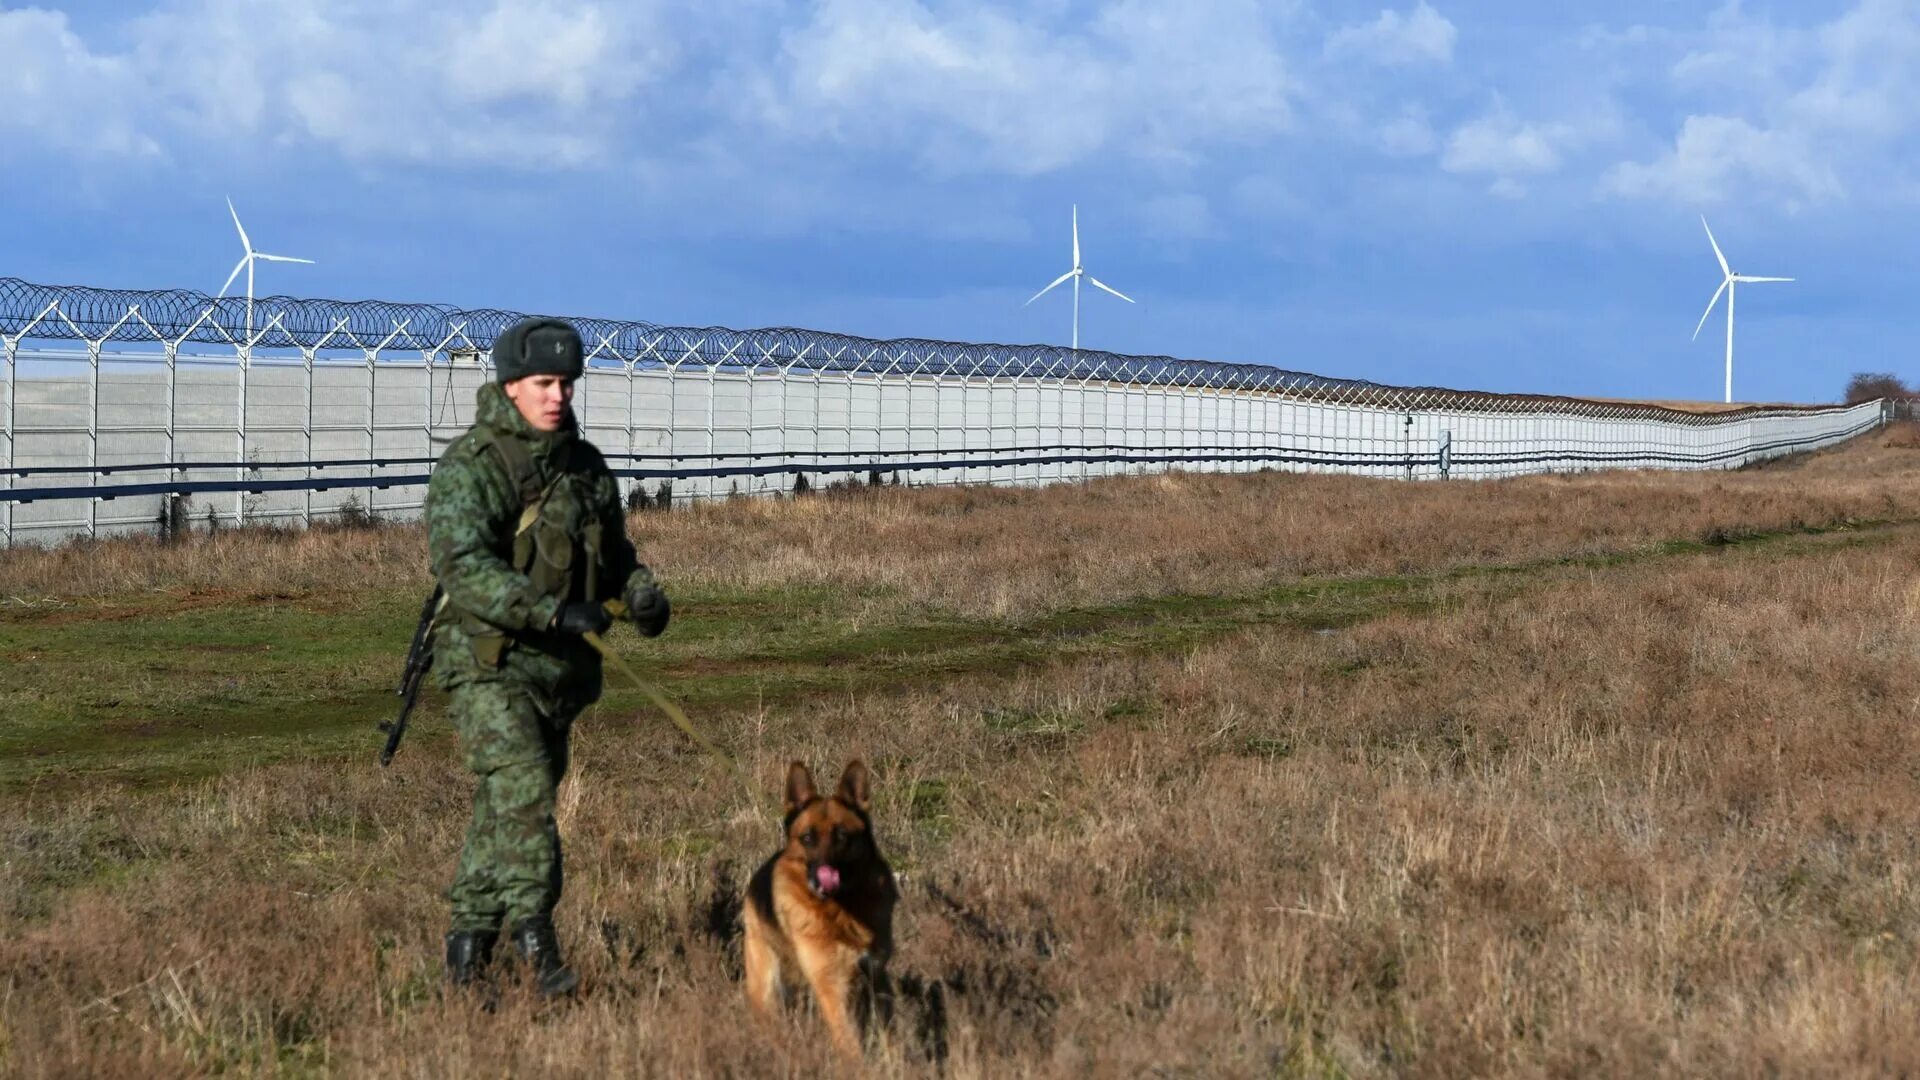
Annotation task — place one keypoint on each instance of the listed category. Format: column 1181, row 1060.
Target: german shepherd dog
column 821, row 909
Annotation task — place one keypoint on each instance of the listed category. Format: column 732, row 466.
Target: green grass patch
column 154, row 689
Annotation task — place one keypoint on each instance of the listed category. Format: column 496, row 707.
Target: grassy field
column 1185, row 775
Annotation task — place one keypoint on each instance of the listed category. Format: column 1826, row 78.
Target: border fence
column 122, row 408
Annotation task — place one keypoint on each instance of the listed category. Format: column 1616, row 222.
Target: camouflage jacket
column 506, row 569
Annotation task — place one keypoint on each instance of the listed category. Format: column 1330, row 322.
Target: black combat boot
column 468, row 952
column 534, row 938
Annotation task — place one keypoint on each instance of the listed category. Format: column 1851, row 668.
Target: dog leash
column 673, row 712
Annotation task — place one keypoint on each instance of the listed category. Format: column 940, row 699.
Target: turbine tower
column 1726, row 286
column 246, row 263
column 1076, row 274
column 246, row 351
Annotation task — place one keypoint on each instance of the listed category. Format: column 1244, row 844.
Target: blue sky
column 1491, row 194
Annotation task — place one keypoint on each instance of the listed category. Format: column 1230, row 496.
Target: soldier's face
column 542, row 399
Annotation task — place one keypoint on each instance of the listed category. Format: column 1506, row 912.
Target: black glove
column 582, row 619
column 647, row 606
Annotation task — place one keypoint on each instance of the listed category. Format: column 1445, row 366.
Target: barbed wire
column 177, row 316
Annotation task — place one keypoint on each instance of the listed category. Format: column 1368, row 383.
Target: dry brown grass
column 1656, row 818
column 1014, row 551
column 1903, row 436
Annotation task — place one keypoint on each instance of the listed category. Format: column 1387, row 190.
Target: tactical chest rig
column 554, row 511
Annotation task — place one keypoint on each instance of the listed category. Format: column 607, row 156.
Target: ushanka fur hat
column 537, row 347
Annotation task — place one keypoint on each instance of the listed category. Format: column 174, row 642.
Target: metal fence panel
column 115, row 402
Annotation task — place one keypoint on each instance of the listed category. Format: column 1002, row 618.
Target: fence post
column 1083, row 469
column 306, row 437
column 1106, row 423
column 880, row 417
column 673, row 421
column 785, row 372
column 631, row 482
column 426, row 417
column 240, row 423
column 373, row 404
column 818, row 398
column 1219, row 425
column 906, row 419
column 172, row 352
column 93, row 434
column 1166, row 422
column 713, row 451
column 12, row 348
column 1270, row 423
column 1035, row 394
column 94, row 346
column 846, row 442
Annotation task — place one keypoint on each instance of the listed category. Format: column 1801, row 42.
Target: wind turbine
column 246, row 263
column 1076, row 274
column 1726, row 286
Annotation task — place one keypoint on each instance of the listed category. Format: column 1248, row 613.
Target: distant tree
column 1868, row 385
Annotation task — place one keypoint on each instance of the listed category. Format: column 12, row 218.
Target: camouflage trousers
column 516, row 745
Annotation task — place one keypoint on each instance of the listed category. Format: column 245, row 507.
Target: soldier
column 527, row 537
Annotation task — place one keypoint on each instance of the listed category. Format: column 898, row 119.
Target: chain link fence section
column 128, row 410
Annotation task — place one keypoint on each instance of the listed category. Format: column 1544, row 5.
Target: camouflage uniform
column 516, row 684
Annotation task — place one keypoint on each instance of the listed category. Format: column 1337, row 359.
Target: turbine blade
column 244, row 242
column 1745, row 278
column 237, row 267
column 1710, row 304
column 282, row 258
column 1049, row 288
column 1076, row 236
column 1098, row 284
column 1724, row 268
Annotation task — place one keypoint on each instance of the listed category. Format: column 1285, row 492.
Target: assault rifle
column 419, row 660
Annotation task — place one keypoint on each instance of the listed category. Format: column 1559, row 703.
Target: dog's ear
column 800, row 790
column 856, row 789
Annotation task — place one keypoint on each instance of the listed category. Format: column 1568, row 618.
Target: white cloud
column 567, row 56
column 1407, row 135
column 1510, row 150
column 1500, row 144
column 971, row 87
column 1793, row 115
column 1737, row 53
column 410, row 79
column 1868, row 80
column 1776, row 110
column 1715, row 157
column 874, row 71
column 56, row 90
column 1422, row 36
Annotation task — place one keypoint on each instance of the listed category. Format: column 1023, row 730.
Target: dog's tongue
column 826, row 877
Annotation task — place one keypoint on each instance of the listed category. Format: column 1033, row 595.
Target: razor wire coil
column 175, row 317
